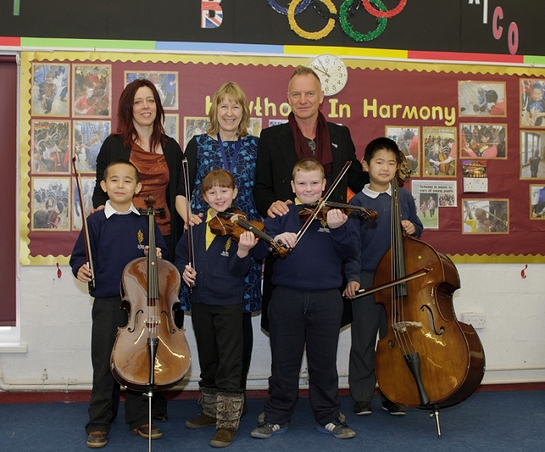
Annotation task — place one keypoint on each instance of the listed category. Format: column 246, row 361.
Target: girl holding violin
column 217, row 280
column 382, row 160
column 227, row 145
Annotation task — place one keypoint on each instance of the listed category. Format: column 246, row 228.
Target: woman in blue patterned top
column 227, row 145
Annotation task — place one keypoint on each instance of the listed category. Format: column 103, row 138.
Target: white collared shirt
column 373, row 194
column 109, row 210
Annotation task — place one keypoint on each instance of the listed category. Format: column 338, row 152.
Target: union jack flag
column 212, row 14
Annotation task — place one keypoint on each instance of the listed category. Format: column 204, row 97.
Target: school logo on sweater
column 225, row 252
column 140, row 238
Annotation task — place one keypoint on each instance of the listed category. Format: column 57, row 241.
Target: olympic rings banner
column 477, row 186
column 504, row 27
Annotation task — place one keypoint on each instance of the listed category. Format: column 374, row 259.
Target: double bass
column 150, row 352
column 427, row 358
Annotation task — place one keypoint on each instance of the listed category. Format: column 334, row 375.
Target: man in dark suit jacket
column 307, row 134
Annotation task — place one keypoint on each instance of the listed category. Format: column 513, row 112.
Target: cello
column 150, row 353
column 427, row 358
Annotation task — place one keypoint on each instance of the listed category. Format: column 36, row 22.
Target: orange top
column 155, row 177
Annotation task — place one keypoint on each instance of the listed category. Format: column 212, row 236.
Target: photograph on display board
column 50, row 89
column 50, row 205
column 408, row 141
column 532, row 153
column 255, row 127
column 532, row 102
column 483, row 141
column 439, row 159
column 88, row 139
column 276, row 122
column 171, row 126
column 474, row 168
column 87, row 187
column 50, row 147
column 481, row 99
column 537, row 202
column 194, row 126
column 427, row 208
column 166, row 84
column 485, row 216
column 92, row 90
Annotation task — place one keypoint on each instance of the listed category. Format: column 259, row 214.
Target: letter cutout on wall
column 211, row 14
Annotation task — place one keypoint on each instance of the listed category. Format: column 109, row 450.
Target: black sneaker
column 338, row 429
column 393, row 408
column 362, row 408
column 266, row 430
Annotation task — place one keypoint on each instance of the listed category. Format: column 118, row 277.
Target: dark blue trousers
column 107, row 317
column 298, row 319
column 218, row 330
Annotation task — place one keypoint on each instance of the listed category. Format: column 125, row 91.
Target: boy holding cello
column 306, row 306
column 216, row 275
column 117, row 235
column 382, row 159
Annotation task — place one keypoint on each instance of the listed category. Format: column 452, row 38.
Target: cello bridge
column 402, row 326
column 152, row 322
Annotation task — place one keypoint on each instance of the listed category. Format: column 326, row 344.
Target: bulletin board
column 466, row 154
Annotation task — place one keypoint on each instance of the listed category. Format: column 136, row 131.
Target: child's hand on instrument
column 408, row 227
column 288, row 238
column 84, row 274
column 246, row 242
column 189, row 276
column 336, row 218
column 351, row 288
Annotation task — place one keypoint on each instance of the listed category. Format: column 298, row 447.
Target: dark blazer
column 276, row 157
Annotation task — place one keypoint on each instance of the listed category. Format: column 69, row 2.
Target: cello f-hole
column 133, row 329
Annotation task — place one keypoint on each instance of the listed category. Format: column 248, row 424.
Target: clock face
column 332, row 73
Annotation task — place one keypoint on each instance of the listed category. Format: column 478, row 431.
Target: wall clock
column 332, row 73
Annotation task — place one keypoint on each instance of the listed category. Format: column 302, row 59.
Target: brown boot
column 223, row 438
column 208, row 401
column 228, row 418
column 202, row 420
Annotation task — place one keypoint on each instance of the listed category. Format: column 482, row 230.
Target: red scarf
column 323, row 142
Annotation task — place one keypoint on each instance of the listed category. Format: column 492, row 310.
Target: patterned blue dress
column 203, row 154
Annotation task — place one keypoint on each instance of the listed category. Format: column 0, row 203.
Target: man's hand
column 279, row 208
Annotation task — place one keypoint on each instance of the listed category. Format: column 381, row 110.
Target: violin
column 308, row 209
column 234, row 223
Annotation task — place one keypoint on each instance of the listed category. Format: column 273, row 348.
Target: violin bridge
column 402, row 326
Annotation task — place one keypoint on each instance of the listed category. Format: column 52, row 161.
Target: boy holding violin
column 382, row 160
column 117, row 235
column 216, row 278
column 306, row 307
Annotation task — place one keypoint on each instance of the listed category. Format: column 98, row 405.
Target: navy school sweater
column 114, row 243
